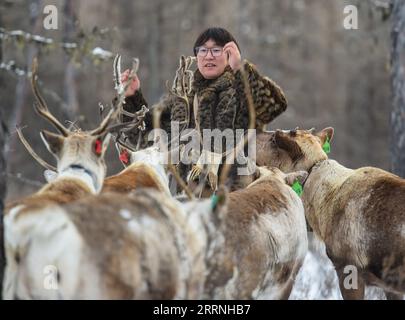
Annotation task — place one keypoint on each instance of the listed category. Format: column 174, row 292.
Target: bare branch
column 18, row 176
column 96, row 53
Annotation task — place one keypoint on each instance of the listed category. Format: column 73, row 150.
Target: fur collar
column 217, row 100
column 222, row 82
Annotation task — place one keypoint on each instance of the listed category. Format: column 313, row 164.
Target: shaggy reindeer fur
column 359, row 214
column 259, row 243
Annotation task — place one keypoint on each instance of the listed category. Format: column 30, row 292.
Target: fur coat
column 222, row 103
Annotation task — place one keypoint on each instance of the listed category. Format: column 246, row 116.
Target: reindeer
column 63, row 236
column 358, row 214
column 110, row 246
column 134, row 262
column 267, row 209
column 144, row 170
column 257, row 243
column 80, row 172
column 113, row 246
column 80, row 159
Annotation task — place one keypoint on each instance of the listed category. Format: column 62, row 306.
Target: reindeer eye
column 293, row 133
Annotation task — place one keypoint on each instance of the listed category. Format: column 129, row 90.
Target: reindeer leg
column 285, row 292
column 393, row 296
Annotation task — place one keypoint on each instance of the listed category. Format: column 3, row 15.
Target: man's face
column 211, row 60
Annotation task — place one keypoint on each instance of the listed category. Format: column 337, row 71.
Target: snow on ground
column 317, row 279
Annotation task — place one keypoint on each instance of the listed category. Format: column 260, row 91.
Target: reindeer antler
column 31, row 151
column 138, row 122
column 171, row 167
column 41, row 106
column 182, row 82
column 118, row 109
column 118, row 85
column 124, row 144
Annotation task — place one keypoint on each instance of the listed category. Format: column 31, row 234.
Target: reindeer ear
column 288, row 144
column 292, row 177
column 53, row 142
column 256, row 173
column 325, row 134
column 215, row 206
column 100, row 144
column 50, row 175
column 263, row 171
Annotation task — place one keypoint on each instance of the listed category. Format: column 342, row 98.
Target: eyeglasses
column 203, row 51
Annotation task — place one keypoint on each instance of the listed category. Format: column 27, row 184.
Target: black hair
column 219, row 35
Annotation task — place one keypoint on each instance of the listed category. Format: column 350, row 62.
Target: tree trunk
column 3, row 131
column 398, row 89
column 70, row 70
column 3, row 180
column 22, row 86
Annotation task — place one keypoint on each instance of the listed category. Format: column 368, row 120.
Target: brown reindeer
column 358, row 214
column 266, row 210
column 258, row 244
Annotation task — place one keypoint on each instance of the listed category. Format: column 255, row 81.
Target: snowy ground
column 317, row 278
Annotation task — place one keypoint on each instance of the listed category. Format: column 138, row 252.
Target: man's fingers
column 229, row 44
column 125, row 75
column 231, row 47
column 232, row 43
column 228, row 52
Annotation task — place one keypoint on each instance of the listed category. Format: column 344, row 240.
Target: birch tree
column 398, row 89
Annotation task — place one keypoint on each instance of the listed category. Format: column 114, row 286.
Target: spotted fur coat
column 222, row 103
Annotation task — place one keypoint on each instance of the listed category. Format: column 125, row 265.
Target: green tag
column 297, row 187
column 326, row 146
column 214, row 201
